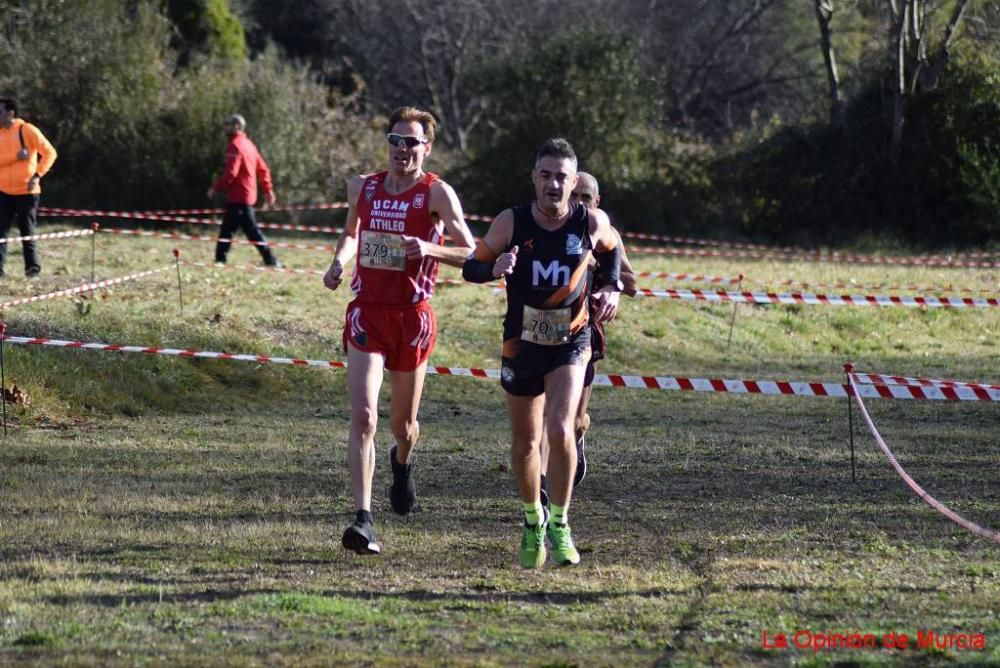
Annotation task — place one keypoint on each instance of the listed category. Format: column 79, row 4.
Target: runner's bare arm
column 347, row 245
column 608, row 252
column 486, row 264
column 628, row 271
column 444, row 206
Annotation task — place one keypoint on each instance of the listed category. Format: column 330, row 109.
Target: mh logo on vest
column 557, row 274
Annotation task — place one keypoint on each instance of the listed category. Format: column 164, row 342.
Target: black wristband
column 477, row 271
column 609, row 263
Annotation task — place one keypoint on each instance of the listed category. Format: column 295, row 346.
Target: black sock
column 364, row 517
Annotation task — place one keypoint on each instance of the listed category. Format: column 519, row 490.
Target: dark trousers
column 241, row 217
column 23, row 209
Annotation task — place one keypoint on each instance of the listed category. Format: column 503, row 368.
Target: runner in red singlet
column 395, row 227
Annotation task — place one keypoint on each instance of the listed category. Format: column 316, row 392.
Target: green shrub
column 588, row 87
column 808, row 184
column 134, row 130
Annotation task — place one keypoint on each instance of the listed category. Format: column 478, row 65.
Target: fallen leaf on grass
column 16, row 395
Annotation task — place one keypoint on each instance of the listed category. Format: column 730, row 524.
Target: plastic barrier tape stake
column 180, row 290
column 93, row 255
column 3, row 377
column 732, row 319
column 848, row 368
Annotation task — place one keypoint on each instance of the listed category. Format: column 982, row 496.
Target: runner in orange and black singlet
column 547, row 301
column 544, row 249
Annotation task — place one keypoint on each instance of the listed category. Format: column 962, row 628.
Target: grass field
column 160, row 511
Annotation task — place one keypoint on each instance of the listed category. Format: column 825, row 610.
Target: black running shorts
column 524, row 374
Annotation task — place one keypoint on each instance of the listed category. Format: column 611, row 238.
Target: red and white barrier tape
column 249, row 267
column 645, row 236
column 691, row 278
column 877, row 379
column 897, row 288
column 455, row 281
column 988, row 534
column 847, row 258
column 766, row 387
column 785, row 249
column 195, row 237
column 130, row 216
column 49, row 235
column 62, row 211
column 957, row 259
column 82, row 288
column 915, row 301
column 288, row 227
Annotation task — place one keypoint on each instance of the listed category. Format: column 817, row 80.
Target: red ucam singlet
column 382, row 274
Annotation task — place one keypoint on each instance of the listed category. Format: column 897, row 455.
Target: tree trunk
column 931, row 74
column 824, row 14
column 899, row 27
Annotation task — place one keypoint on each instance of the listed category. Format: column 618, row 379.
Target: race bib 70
column 547, row 327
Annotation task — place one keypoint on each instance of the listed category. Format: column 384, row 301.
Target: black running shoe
column 581, row 461
column 403, row 493
column 360, row 536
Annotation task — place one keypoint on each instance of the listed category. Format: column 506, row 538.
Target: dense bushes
column 136, row 130
column 588, row 87
column 810, row 185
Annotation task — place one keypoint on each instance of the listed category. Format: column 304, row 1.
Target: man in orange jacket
column 25, row 157
column 244, row 165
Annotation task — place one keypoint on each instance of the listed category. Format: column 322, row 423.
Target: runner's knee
column 559, row 436
column 364, row 421
column 405, row 430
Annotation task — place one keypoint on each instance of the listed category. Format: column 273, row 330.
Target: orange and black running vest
column 551, row 277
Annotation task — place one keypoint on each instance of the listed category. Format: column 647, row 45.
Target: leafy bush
column 135, row 130
column 208, row 27
column 807, row 184
column 967, row 108
column 588, row 87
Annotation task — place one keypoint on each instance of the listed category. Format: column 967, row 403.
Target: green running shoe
column 563, row 551
column 532, row 553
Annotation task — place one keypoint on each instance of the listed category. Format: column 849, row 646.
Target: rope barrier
column 988, row 534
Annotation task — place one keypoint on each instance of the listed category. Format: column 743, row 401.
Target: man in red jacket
column 244, row 165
